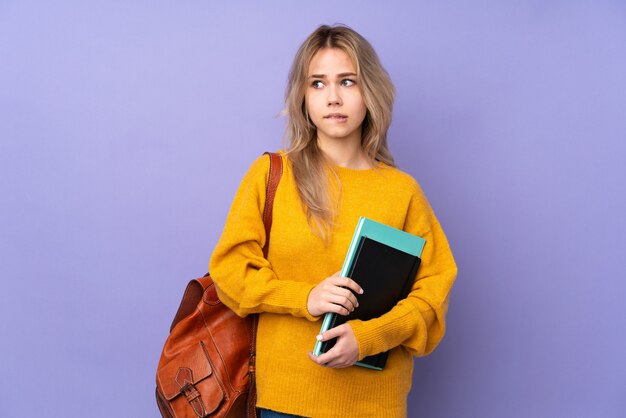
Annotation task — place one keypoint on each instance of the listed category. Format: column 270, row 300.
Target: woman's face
column 333, row 97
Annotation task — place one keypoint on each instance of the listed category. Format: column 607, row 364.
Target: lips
column 337, row 116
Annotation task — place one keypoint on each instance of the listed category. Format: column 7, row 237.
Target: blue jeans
column 266, row 413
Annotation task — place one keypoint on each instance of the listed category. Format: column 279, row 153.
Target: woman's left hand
column 344, row 353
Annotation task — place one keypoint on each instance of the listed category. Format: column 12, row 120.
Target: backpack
column 206, row 367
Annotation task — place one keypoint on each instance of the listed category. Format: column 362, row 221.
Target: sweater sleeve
column 244, row 278
column 417, row 322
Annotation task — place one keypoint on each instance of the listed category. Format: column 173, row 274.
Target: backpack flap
column 189, row 381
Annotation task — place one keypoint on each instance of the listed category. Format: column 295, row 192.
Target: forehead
column 329, row 61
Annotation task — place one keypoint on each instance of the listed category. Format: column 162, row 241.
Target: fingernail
column 319, row 337
column 361, row 291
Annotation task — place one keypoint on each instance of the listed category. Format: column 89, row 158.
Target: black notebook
column 386, row 275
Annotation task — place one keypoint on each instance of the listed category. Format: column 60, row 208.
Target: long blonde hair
column 310, row 167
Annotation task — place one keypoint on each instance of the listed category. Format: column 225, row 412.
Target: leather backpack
column 206, row 368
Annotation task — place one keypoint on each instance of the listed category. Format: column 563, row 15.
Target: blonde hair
column 310, row 167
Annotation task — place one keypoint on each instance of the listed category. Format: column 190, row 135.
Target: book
column 383, row 260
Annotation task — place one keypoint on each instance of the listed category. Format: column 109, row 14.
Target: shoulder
column 261, row 165
column 411, row 191
column 402, row 179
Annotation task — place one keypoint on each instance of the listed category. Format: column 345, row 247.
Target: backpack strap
column 276, row 172
column 195, row 288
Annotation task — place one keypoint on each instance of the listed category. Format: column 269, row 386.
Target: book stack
column 382, row 260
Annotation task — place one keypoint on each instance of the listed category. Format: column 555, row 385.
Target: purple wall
column 125, row 128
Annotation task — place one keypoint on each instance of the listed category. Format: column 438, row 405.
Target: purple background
column 125, row 128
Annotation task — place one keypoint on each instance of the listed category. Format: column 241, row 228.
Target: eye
column 317, row 84
column 347, row 82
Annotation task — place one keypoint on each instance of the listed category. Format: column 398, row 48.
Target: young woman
column 337, row 168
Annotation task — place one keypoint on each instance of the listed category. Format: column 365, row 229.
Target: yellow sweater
column 278, row 288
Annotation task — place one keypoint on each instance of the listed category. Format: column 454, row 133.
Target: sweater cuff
column 306, row 290
column 307, row 314
column 365, row 337
column 380, row 334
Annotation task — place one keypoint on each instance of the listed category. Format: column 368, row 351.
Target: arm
column 417, row 322
column 244, row 278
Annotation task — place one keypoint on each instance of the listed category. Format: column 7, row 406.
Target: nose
column 334, row 98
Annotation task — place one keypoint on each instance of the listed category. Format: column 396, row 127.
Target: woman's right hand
column 333, row 294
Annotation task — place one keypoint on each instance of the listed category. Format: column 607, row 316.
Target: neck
column 345, row 152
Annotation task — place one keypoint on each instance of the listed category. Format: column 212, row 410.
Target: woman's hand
column 333, row 294
column 344, row 353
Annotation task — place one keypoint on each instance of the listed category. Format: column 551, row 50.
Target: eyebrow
column 338, row 75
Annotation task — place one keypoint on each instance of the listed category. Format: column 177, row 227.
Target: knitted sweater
column 278, row 286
